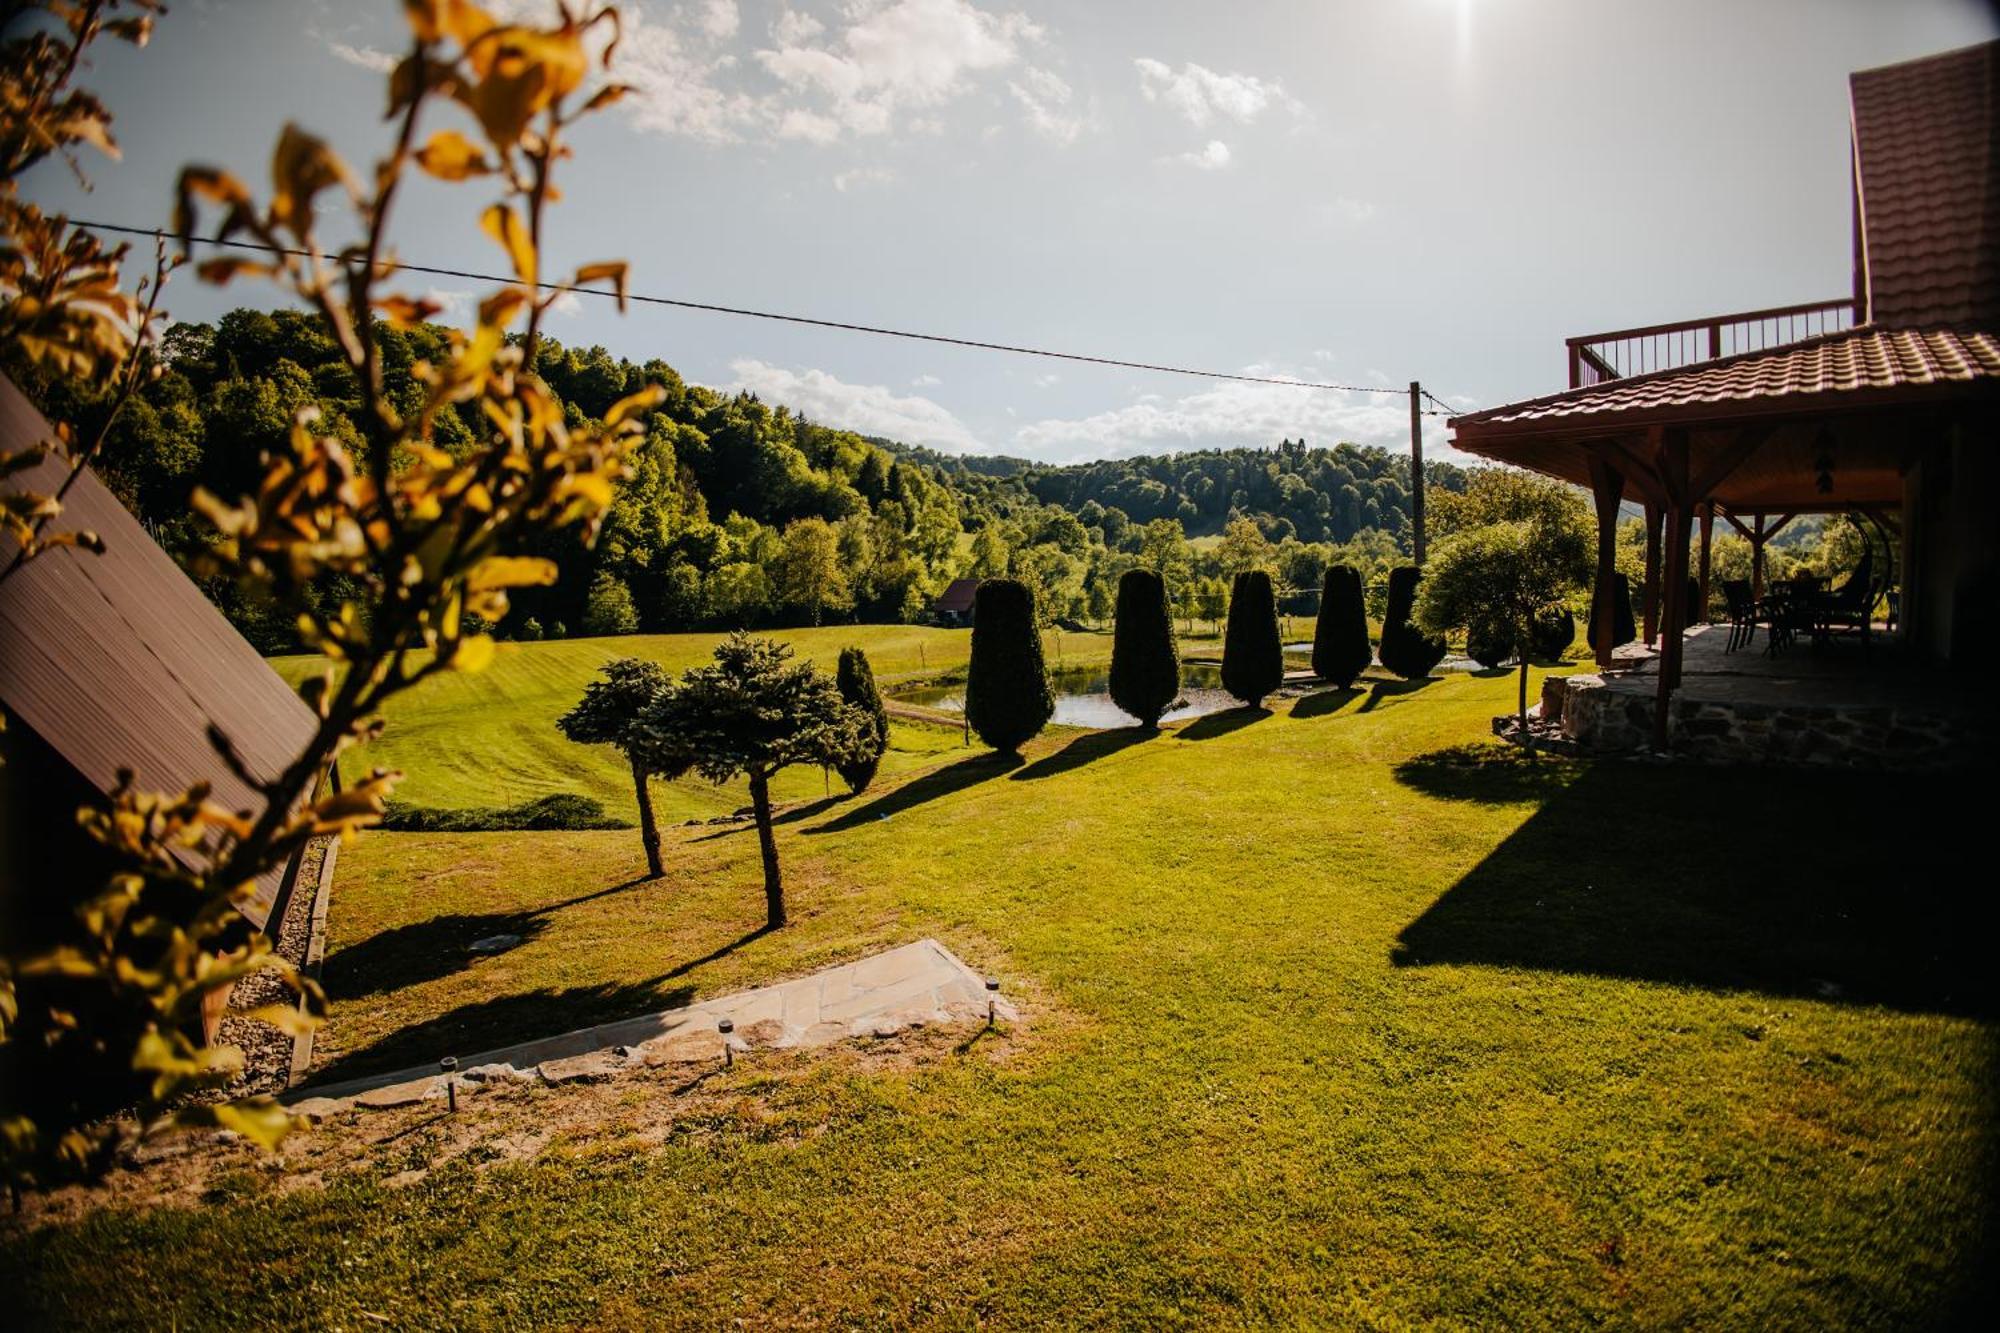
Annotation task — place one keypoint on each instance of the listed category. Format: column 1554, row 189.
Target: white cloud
column 1046, row 98
column 567, row 306
column 872, row 409
column 858, row 176
column 1226, row 415
column 367, row 57
column 1048, row 380
column 1200, row 94
column 719, row 18
column 1212, row 158
column 453, row 303
column 925, row 381
column 791, row 28
column 1346, row 212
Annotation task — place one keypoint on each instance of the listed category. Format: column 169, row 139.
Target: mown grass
column 1331, row 1019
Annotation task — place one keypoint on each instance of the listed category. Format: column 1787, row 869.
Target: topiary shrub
column 1488, row 646
column 1253, row 657
column 1341, row 650
column 856, row 682
column 1624, row 626
column 1145, row 661
column 1555, row 630
column 1407, row 650
column 1007, row 698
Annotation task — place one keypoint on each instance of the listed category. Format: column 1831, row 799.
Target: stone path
column 916, row 985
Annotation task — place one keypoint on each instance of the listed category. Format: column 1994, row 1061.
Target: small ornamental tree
column 1407, row 650
column 609, row 714
column 1007, row 698
column 1341, row 650
column 1624, row 626
column 750, row 714
column 1253, row 658
column 855, row 679
column 608, row 609
column 1500, row 580
column 1145, row 662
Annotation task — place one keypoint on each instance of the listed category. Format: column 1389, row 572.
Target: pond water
column 1083, row 696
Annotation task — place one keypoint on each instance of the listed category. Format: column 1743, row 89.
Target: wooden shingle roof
column 119, row 660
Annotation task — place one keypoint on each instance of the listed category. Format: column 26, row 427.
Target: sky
column 1359, row 192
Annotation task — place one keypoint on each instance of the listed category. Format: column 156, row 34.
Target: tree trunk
column 1521, row 705
column 767, row 841
column 649, row 831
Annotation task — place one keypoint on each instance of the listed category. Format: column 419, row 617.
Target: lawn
column 1335, row 1014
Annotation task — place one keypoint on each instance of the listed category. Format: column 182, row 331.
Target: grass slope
column 1332, row 1019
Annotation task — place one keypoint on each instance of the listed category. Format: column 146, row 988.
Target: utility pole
column 1416, row 473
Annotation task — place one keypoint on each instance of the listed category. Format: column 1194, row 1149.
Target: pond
column 1083, row 696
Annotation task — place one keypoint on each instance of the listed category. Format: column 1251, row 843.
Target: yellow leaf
column 301, row 166
column 474, row 654
column 614, row 270
column 510, row 571
column 504, row 225
column 450, row 156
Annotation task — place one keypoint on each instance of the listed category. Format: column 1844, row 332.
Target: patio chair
column 1850, row 608
column 1742, row 613
column 1792, row 607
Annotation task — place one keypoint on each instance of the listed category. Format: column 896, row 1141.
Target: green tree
column 609, row 714
column 809, row 576
column 855, row 679
column 609, row 609
column 1007, row 697
column 1341, row 651
column 1253, row 657
column 1211, row 600
column 1145, row 661
column 1164, row 549
column 750, row 714
column 1244, row 547
column 1500, row 579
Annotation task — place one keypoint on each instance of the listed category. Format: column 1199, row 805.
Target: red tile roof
column 1868, row 362
column 958, row 597
column 118, row 660
column 1927, row 157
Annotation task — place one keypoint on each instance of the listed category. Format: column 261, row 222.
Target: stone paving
column 917, row 985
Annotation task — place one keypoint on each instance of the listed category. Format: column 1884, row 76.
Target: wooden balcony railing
column 1596, row 357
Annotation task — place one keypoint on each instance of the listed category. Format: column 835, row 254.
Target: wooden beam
column 1607, row 488
column 1778, row 527
column 1635, row 470
column 1732, row 457
column 1737, row 523
column 1649, row 597
column 1757, row 540
column 1673, row 471
column 1707, row 512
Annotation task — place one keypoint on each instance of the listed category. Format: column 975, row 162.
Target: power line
column 843, row 325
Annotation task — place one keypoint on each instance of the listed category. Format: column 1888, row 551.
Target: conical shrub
column 1488, row 645
column 1624, row 626
column 1007, row 698
column 1145, row 661
column 855, row 679
column 1407, row 650
column 1253, row 658
column 1554, row 630
column 1341, row 650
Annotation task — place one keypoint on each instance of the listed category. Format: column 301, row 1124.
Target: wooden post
column 1679, row 519
column 1700, row 614
column 1607, row 488
column 1416, row 473
column 1757, row 557
column 1650, row 596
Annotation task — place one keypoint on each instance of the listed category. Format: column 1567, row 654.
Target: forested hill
column 740, row 512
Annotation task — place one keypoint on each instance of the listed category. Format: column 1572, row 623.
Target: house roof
column 1927, row 189
column 118, row 660
column 1853, row 368
column 957, row 597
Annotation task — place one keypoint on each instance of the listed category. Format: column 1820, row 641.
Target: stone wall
column 1616, row 717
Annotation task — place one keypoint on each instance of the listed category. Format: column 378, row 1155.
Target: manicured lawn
column 1330, row 1019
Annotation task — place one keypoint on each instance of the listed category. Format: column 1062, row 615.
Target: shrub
column 1341, row 650
column 1488, row 645
column 1407, row 650
column 1253, row 658
column 530, row 631
column 1145, row 661
column 1624, row 626
column 559, row 810
column 1554, row 631
column 855, row 679
column 1007, row 698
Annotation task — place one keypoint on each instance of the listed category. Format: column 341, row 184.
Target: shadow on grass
column 1084, row 749
column 1490, row 773
column 1392, row 690
column 504, row 1021
column 723, row 951
column 939, row 782
column 789, row 816
column 1824, row 886
column 1322, row 702
column 426, row 950
column 1221, row 724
